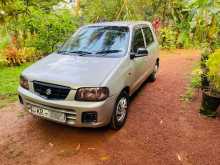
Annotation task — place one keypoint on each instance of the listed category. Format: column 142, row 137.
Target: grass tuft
column 9, row 81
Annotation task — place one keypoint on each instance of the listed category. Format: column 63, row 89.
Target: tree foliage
column 37, row 24
column 213, row 63
column 34, row 24
column 193, row 22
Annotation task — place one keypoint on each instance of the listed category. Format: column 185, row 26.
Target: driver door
column 140, row 63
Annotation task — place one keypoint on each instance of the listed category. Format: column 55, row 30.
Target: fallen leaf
column 104, row 158
column 78, row 147
column 179, row 157
column 51, row 144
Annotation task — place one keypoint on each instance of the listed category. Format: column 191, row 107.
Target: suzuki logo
column 48, row 92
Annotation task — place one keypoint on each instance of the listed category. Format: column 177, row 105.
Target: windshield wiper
column 81, row 53
column 108, row 51
column 62, row 52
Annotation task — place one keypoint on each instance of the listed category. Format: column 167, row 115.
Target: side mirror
column 142, row 51
column 132, row 55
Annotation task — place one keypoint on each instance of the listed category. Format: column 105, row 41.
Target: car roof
column 121, row 23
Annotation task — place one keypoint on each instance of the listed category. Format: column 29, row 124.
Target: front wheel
column 119, row 115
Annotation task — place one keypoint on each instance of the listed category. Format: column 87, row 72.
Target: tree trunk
column 77, row 7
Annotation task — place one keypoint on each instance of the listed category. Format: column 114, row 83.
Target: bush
column 195, row 84
column 16, row 56
column 196, row 78
column 29, row 54
column 4, row 41
column 183, row 40
column 167, row 38
column 213, row 64
column 13, row 58
column 45, row 31
column 34, row 35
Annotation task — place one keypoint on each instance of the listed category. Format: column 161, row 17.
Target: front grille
column 51, row 91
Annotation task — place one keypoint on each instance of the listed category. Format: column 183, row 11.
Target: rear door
column 152, row 47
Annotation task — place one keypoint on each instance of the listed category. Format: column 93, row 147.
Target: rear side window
column 138, row 40
column 148, row 35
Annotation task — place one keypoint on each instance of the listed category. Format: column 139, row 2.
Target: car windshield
column 98, row 41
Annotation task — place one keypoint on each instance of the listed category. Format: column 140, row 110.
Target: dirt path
column 160, row 129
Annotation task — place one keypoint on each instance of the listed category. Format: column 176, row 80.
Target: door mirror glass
column 142, row 51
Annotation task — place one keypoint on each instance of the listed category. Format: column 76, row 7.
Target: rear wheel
column 119, row 115
column 153, row 75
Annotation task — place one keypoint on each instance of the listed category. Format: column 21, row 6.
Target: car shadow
column 143, row 85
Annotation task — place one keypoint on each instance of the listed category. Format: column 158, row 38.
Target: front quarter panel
column 120, row 77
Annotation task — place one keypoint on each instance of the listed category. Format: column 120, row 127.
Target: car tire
column 153, row 75
column 120, row 111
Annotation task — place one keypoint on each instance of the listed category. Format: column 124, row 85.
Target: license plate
column 53, row 115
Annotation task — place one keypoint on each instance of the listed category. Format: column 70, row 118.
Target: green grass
column 9, row 80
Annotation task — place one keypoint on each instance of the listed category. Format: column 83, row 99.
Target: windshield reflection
column 98, row 40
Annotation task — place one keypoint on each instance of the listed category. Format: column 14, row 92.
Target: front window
column 138, row 40
column 98, row 41
column 148, row 35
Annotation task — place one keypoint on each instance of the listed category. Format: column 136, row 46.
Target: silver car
column 88, row 81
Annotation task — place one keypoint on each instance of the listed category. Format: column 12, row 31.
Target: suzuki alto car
column 88, row 81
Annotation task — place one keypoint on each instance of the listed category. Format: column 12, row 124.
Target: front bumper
column 73, row 109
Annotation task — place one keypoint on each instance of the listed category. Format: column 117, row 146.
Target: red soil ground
column 160, row 129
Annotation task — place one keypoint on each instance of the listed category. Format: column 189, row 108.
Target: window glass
column 148, row 35
column 138, row 41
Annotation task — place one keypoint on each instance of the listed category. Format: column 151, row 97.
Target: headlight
column 92, row 94
column 24, row 82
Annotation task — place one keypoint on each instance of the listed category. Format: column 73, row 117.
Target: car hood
column 71, row 70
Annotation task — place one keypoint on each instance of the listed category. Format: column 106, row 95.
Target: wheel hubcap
column 121, row 109
column 155, row 70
